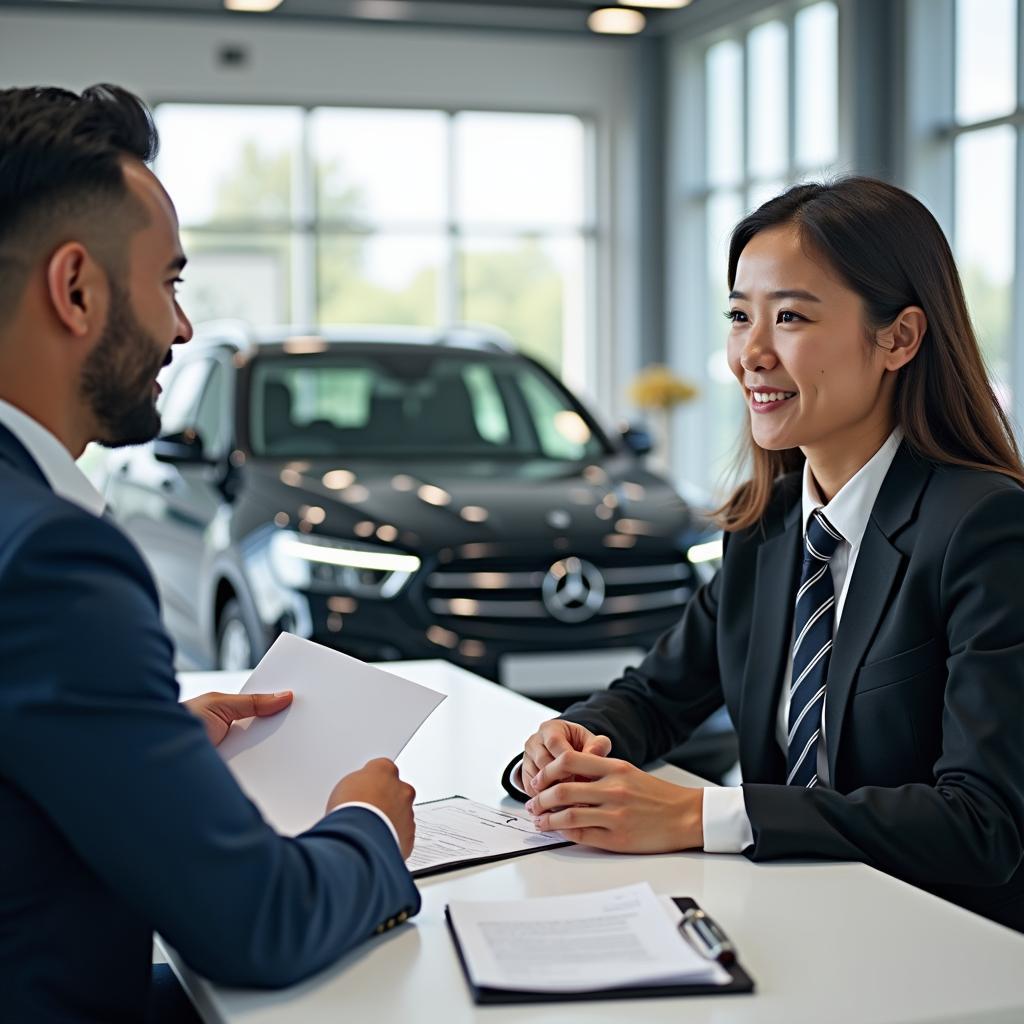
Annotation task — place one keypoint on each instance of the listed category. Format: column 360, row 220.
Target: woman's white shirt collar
column 850, row 509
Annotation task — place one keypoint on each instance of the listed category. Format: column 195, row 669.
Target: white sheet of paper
column 344, row 713
column 579, row 943
column 457, row 830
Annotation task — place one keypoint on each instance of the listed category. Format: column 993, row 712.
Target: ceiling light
column 252, row 6
column 616, row 21
column 665, row 4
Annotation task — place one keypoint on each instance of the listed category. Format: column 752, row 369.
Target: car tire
column 236, row 651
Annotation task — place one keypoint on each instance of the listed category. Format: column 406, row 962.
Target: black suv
column 399, row 493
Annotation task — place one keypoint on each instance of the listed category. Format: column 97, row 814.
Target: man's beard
column 118, row 376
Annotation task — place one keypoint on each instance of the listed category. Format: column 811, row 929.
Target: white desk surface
column 827, row 943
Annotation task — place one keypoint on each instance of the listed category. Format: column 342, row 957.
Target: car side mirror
column 637, row 439
column 183, row 448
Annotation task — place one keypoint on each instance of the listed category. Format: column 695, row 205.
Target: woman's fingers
column 626, row 809
column 573, row 818
column 554, row 740
column 535, row 755
column 599, row 745
column 548, row 742
column 596, row 837
column 562, row 795
column 527, row 773
column 558, row 736
column 575, row 763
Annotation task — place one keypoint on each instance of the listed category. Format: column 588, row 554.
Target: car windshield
column 438, row 404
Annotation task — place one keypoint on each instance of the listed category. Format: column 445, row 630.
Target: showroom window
column 984, row 140
column 763, row 97
column 355, row 215
column 966, row 112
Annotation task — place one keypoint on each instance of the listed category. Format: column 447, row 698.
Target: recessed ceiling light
column 252, row 6
column 669, row 4
column 616, row 21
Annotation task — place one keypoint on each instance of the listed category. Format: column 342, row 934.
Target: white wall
column 167, row 59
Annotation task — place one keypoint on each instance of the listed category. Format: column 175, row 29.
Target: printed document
column 344, row 713
column 580, row 943
column 456, row 832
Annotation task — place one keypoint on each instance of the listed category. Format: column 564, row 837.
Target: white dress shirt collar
column 850, row 509
column 53, row 459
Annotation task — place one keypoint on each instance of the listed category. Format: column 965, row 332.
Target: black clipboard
column 741, row 982
column 469, row 862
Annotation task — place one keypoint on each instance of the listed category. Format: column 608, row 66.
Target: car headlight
column 709, row 552
column 319, row 563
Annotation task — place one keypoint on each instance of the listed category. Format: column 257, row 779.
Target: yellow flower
column 657, row 387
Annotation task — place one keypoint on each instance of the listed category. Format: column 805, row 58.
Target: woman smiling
column 866, row 629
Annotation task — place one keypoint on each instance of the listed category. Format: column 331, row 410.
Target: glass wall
column 761, row 97
column 983, row 137
column 768, row 117
column 963, row 152
column 351, row 215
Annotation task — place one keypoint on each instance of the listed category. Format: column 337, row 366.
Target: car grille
column 484, row 597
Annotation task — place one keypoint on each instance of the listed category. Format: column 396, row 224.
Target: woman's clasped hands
column 575, row 788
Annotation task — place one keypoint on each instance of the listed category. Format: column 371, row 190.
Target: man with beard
column 117, row 816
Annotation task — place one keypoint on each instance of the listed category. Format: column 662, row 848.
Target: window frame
column 305, row 229
column 930, row 149
column 689, row 200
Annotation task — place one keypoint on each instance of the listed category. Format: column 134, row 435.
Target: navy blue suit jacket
column 117, row 816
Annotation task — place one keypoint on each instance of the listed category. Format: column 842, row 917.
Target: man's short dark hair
column 60, row 166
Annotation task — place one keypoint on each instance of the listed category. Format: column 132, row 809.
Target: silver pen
column 706, row 937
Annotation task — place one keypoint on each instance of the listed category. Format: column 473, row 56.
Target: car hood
column 444, row 503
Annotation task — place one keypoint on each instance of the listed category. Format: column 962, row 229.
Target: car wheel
column 235, row 649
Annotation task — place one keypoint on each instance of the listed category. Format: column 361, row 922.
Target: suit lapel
column 875, row 579
column 778, row 561
column 15, row 453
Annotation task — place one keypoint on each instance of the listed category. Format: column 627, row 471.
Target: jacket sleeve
column 653, row 708
column 92, row 732
column 968, row 824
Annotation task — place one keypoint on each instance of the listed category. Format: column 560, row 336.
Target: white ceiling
column 560, row 16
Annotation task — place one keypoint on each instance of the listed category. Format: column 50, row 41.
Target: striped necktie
column 812, row 646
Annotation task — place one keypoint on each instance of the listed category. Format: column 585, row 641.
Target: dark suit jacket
column 117, row 816
column 924, row 720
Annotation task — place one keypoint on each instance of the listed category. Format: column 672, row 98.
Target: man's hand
column 618, row 807
column 218, row 710
column 553, row 739
column 377, row 783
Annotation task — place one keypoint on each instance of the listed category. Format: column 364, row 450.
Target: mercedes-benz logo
column 573, row 590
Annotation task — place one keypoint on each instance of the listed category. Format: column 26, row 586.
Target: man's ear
column 78, row 289
column 902, row 338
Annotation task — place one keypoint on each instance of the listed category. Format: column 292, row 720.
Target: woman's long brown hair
column 890, row 250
